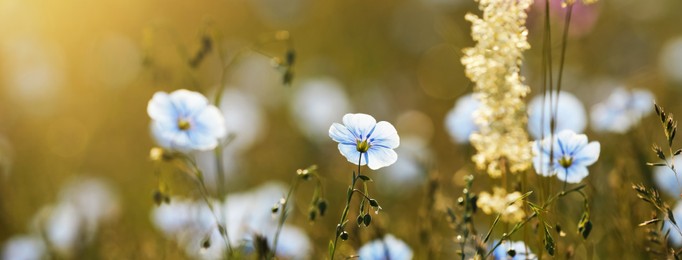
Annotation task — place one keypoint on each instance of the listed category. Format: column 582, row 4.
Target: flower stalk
column 342, row 222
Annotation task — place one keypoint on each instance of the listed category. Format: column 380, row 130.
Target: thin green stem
column 344, row 215
column 535, row 214
column 283, row 216
column 562, row 59
column 547, row 82
column 204, row 194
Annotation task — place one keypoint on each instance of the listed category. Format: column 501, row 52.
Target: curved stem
column 204, row 194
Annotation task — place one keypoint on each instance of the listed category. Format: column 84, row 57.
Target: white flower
column 361, row 134
column 185, row 121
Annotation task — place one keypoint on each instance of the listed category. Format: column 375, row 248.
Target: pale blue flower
column 184, row 120
column 360, row 133
column 388, row 248
column 622, row 110
column 460, row 119
column 571, row 156
column 520, row 251
column 571, row 114
column 666, row 180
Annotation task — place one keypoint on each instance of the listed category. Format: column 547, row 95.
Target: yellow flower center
column 183, row 124
column 565, row 161
column 363, row 146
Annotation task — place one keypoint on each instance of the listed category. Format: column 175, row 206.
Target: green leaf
column 331, row 248
column 364, row 178
column 549, row 241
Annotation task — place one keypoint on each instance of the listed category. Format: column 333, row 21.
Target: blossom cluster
column 508, row 205
column 493, row 64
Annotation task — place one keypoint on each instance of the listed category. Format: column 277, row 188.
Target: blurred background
column 76, row 76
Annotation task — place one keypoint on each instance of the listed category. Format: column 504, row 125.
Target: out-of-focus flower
column 671, row 59
column 185, row 121
column 360, row 133
column 316, row 104
column 584, row 16
column 389, row 247
column 24, row 247
column 192, row 224
column 63, row 228
column 250, row 213
column 674, row 236
column 34, row 72
column 73, row 222
column 570, row 115
column 95, row 200
column 509, row 205
column 494, row 67
column 571, row 156
column 667, row 181
column 244, row 118
column 408, row 173
column 460, row 119
column 246, row 125
column 516, row 250
column 622, row 110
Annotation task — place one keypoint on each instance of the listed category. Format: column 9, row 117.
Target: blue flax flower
column 361, row 134
column 185, row 121
column 571, row 156
column 513, row 251
column 384, row 249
